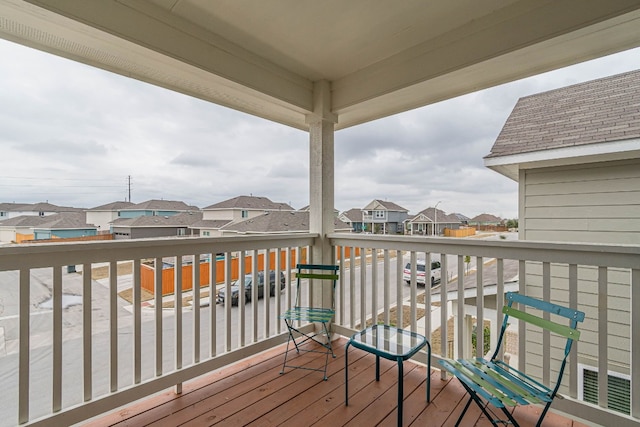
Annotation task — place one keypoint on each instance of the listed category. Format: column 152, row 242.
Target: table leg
column 377, row 368
column 400, row 391
column 346, row 374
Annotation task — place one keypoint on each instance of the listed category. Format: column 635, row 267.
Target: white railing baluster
column 546, row 336
column 374, row 290
column 213, row 306
column 25, row 339
column 177, row 292
column 195, row 304
column 399, row 285
column 254, row 292
column 267, row 293
column 573, row 356
column 278, row 296
column 385, row 284
column 459, row 325
column 352, row 288
column 363, row 287
column 113, row 325
column 137, row 323
column 242, row 271
column 158, row 299
column 57, row 339
column 479, row 307
column 341, row 285
column 87, row 342
column 227, row 300
column 499, row 304
column 522, row 330
column 603, row 338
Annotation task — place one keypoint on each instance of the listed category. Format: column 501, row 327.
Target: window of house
column 244, row 214
column 182, row 231
column 619, row 387
column 206, row 233
column 379, row 214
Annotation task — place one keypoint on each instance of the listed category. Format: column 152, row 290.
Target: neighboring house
column 431, row 221
column 102, row 216
column 384, row 217
column 63, row 226
column 209, row 227
column 575, row 153
column 19, row 229
column 353, row 217
column 156, row 208
column 156, row 226
column 464, row 220
column 13, row 210
column 485, row 219
column 243, row 207
column 278, row 223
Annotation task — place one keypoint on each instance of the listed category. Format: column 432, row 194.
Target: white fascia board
column 591, row 153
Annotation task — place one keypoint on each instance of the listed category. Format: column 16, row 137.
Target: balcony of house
column 79, row 344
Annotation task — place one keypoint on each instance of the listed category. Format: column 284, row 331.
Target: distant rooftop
column 167, row 205
column 113, row 206
column 250, row 203
column 280, row 222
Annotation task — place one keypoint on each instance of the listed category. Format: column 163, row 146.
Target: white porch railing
column 602, row 280
column 65, row 365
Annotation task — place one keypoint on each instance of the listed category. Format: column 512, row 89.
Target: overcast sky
column 72, row 135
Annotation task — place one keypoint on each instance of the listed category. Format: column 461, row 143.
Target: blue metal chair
column 307, row 274
column 493, row 382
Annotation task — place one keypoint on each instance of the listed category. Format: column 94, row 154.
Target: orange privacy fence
column 462, row 232
column 168, row 274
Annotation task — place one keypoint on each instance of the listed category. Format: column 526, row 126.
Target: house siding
column 596, row 203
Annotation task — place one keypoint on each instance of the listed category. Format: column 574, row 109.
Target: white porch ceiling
column 380, row 57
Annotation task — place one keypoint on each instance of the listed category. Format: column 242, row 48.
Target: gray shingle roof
column 25, row 221
column 279, row 222
column 166, row 205
column 385, row 205
column 179, row 220
column 113, row 206
column 485, row 218
column 65, row 221
column 250, row 203
column 598, row 111
column 353, row 215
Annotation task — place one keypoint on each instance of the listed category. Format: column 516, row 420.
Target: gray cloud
column 81, row 136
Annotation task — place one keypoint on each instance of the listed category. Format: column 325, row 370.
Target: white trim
column 589, row 153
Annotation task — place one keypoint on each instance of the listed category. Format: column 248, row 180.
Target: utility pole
column 129, row 185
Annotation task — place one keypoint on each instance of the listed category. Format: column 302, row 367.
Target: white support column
column 321, row 178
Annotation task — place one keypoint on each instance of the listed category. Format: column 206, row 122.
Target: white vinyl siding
column 595, row 203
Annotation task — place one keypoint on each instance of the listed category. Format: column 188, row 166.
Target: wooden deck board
column 253, row 392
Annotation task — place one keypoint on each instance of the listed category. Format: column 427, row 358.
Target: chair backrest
column 567, row 330
column 328, row 274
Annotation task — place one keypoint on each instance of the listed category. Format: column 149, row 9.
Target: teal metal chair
column 310, row 274
column 494, row 384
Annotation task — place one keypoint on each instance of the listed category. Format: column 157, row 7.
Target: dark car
column 248, row 287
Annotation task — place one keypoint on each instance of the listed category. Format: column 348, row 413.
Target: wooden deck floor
column 252, row 392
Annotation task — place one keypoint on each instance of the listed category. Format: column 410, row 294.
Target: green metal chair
column 493, row 382
column 307, row 274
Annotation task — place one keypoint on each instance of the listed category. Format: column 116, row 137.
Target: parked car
column 421, row 273
column 248, row 286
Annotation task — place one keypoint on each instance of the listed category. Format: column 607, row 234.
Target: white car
column 420, row 272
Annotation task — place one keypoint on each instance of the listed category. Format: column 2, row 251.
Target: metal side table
column 392, row 344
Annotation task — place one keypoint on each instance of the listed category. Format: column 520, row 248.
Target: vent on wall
column 619, row 386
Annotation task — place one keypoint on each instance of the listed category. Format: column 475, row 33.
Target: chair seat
column 308, row 314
